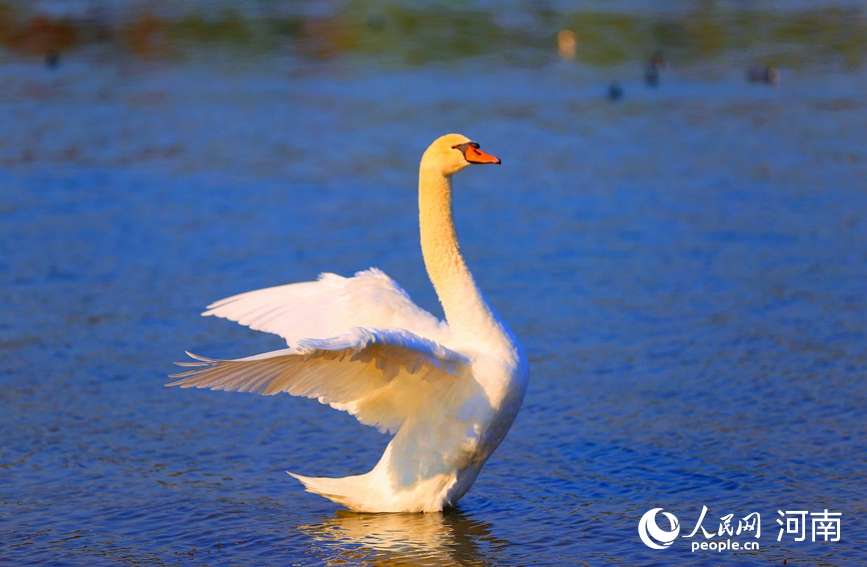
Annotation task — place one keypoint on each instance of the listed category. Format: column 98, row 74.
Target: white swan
column 450, row 390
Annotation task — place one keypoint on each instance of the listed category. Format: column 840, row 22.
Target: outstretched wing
column 328, row 307
column 378, row 375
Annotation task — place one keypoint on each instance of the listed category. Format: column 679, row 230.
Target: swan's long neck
column 466, row 310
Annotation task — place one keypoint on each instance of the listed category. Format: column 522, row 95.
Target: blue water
column 686, row 267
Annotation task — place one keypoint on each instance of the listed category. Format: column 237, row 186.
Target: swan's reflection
column 440, row 539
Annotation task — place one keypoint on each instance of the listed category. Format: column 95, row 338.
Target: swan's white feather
column 328, row 307
column 378, row 375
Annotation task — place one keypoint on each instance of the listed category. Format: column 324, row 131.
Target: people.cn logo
column 650, row 533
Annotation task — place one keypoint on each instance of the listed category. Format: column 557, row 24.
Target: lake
column 685, row 264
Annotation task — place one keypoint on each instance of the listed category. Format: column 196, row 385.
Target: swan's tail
column 350, row 491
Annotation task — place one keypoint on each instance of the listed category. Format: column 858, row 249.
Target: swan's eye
column 463, row 147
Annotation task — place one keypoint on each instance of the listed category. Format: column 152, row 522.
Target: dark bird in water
column 52, row 59
column 615, row 91
column 768, row 75
column 651, row 70
column 376, row 22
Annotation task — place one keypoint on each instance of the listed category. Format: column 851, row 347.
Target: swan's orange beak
column 475, row 155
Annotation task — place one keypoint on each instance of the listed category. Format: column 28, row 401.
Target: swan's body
column 449, row 390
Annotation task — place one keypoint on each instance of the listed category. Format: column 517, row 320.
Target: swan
column 449, row 390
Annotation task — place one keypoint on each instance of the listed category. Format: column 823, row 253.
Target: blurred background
column 677, row 235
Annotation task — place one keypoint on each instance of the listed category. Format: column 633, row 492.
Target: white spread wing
column 328, row 307
column 378, row 375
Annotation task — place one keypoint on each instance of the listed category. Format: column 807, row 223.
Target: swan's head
column 451, row 153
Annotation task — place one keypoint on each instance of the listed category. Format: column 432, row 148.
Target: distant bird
column 567, row 44
column 768, row 75
column 615, row 91
column 376, row 22
column 652, row 68
column 449, row 389
column 52, row 59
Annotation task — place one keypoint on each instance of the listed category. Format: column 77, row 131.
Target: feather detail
column 380, row 376
column 328, row 307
